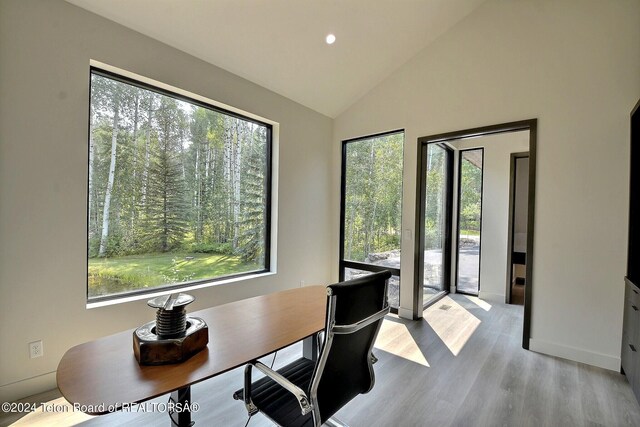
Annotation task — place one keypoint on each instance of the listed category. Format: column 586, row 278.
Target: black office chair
column 308, row 393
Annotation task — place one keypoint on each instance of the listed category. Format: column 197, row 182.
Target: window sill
column 146, row 296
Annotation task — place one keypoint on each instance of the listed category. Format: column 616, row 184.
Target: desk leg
column 181, row 400
column 310, row 347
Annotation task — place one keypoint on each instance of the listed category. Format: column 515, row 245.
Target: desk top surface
column 104, row 373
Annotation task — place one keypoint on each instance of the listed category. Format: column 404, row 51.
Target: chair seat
column 277, row 403
column 355, row 311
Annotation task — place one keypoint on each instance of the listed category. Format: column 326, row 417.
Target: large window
column 179, row 190
column 372, row 208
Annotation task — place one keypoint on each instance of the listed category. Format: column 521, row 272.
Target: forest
column 470, row 196
column 373, row 197
column 177, row 191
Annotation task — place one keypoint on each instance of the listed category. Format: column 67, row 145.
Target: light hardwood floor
column 460, row 366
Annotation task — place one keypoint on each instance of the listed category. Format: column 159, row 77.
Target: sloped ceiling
column 280, row 44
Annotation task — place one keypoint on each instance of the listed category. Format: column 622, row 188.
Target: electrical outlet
column 36, row 349
column 302, row 283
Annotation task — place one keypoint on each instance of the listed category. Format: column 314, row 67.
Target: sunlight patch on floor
column 480, row 303
column 454, row 326
column 56, row 412
column 395, row 338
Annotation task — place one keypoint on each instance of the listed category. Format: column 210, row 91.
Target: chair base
column 334, row 422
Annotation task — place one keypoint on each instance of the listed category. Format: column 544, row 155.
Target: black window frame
column 93, row 70
column 342, row 263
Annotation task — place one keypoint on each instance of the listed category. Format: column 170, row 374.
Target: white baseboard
column 600, row 360
column 30, row 386
column 489, row 296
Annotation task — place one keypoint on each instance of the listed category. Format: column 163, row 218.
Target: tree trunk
column 368, row 219
column 145, row 171
column 198, row 196
column 135, row 158
column 182, row 162
column 235, row 183
column 347, row 255
column 165, row 205
column 91, row 156
column 112, row 173
column 372, row 221
column 228, row 163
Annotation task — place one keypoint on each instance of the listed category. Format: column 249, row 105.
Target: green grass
column 114, row 275
column 470, row 232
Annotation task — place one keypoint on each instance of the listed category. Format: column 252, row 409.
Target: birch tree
column 112, row 168
column 91, row 157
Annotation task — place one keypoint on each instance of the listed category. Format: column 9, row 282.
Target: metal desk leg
column 310, row 347
column 180, row 400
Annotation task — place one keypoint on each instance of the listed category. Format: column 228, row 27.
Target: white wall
column 495, row 207
column 575, row 67
column 45, row 48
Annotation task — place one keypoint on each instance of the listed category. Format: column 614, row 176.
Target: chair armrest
column 297, row 392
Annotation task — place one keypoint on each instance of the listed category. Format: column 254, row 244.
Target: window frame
column 343, row 264
column 93, row 301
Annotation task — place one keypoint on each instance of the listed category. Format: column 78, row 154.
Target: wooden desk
column 103, row 375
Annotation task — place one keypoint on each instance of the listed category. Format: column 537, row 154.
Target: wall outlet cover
column 36, row 349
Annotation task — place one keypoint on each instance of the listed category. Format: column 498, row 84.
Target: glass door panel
column 435, row 228
column 469, row 220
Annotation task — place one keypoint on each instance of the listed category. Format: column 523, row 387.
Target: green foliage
column 166, row 204
column 373, row 196
column 253, row 203
column 470, row 196
column 212, row 248
column 435, row 207
column 113, row 275
column 186, row 178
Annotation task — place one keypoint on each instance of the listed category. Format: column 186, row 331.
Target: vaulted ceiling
column 280, row 44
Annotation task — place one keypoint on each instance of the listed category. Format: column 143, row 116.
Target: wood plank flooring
column 462, row 366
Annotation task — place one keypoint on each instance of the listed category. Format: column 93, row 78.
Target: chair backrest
column 355, row 310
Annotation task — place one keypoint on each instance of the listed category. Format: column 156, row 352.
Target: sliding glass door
column 371, row 208
column 433, row 263
column 470, row 169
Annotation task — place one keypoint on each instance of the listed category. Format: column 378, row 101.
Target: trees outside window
column 178, row 189
column 372, row 208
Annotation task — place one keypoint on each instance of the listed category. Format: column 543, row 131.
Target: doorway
column 466, row 139
column 517, row 261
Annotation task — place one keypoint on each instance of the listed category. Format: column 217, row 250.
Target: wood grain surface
column 104, row 374
column 491, row 382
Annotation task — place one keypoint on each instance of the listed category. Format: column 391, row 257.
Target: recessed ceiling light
column 330, row 39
